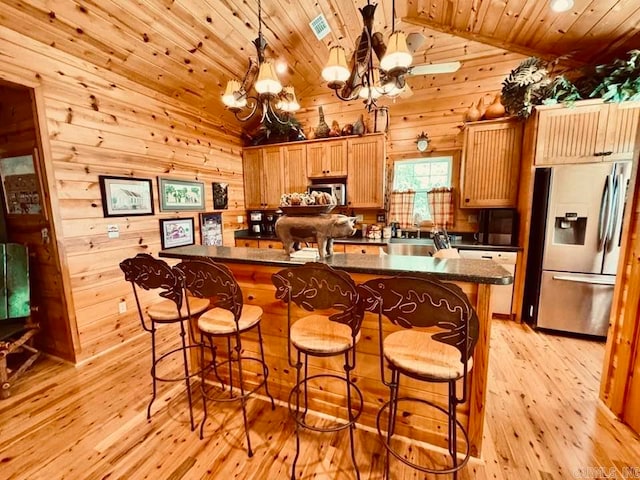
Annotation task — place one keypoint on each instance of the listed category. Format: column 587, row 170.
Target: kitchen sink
column 416, row 247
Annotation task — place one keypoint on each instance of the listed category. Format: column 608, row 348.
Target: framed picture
column 178, row 195
column 211, row 229
column 20, row 185
column 220, row 196
column 176, row 232
column 126, row 196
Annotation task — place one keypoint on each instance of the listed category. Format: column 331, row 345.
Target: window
column 421, row 175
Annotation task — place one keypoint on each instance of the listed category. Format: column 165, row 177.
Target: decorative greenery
column 525, row 87
column 561, row 90
column 272, row 131
column 620, row 80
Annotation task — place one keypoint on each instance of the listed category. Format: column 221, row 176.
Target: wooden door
column 336, row 158
column 622, row 131
column 28, row 219
column 365, row 172
column 571, row 135
column 272, row 176
column 316, row 153
column 491, row 164
column 295, row 168
column 252, row 173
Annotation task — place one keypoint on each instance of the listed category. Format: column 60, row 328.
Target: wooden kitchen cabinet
column 587, row 132
column 365, row 171
column 263, row 171
column 295, row 168
column 327, row 158
column 245, row 242
column 491, row 164
column 363, row 249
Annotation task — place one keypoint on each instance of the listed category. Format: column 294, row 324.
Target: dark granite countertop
column 455, row 269
column 460, row 245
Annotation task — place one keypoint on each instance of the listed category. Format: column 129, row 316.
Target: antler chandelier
column 365, row 80
column 271, row 98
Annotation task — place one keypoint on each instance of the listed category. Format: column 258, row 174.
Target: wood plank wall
column 99, row 123
column 436, row 107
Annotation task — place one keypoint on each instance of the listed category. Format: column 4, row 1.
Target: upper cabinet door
column 491, row 164
column 295, row 168
column 623, row 133
column 272, row 176
column 327, row 158
column 366, row 166
column 252, row 173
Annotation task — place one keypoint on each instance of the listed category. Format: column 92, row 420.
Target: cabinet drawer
column 498, row 257
column 273, row 244
column 243, row 242
column 363, row 249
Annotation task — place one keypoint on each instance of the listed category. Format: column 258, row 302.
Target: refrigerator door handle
column 615, row 223
column 605, row 213
column 582, row 279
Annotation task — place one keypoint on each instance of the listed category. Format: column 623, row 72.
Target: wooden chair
column 228, row 319
column 148, row 273
column 436, row 343
column 333, row 328
column 16, row 327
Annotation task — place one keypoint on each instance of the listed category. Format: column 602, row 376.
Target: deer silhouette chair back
column 332, row 328
column 439, row 331
column 228, row 319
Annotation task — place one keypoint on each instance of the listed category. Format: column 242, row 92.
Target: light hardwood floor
column 543, row 421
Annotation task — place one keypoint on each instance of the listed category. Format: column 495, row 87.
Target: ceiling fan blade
column 415, row 41
column 429, row 68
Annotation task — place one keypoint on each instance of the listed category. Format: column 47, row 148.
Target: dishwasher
column 501, row 295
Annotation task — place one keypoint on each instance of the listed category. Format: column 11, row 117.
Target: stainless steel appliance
column 337, row 190
column 255, row 222
column 580, row 236
column 498, row 226
column 269, row 223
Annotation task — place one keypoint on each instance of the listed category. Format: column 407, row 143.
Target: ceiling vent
column 320, row 27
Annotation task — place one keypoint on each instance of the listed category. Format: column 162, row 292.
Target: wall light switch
column 122, row 307
column 239, row 219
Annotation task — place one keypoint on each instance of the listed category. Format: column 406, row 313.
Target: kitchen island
column 253, row 268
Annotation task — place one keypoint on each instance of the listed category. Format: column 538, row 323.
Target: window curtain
column 402, row 208
column 441, row 206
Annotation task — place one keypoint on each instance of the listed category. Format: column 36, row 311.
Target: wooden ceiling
column 188, row 49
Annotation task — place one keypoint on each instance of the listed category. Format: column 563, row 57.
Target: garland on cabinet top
column 531, row 83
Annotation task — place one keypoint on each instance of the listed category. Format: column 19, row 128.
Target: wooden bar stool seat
column 165, row 311
column 418, row 353
column 219, row 321
column 318, row 334
column 436, row 330
column 228, row 319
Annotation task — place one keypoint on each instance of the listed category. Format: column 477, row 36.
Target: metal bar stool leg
column 214, row 361
column 183, row 335
column 230, row 355
column 203, row 372
column 347, row 372
column 453, row 434
column 265, row 369
column 298, row 367
column 243, row 400
column 306, row 389
column 153, row 368
column 393, row 409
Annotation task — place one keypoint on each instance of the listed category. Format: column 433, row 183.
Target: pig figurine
column 321, row 229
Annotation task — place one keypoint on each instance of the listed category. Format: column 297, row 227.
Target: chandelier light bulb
column 561, row 5
column 267, row 83
column 397, row 56
column 336, row 71
column 232, row 97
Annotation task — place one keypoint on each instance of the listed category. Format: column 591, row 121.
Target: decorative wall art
column 177, row 232
column 20, row 185
column 211, row 229
column 179, row 195
column 220, row 196
column 126, row 196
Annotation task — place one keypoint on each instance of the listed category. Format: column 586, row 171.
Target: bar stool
column 146, row 272
column 441, row 354
column 228, row 319
column 333, row 331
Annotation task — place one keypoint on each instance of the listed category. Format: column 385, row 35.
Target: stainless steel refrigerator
column 578, row 246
